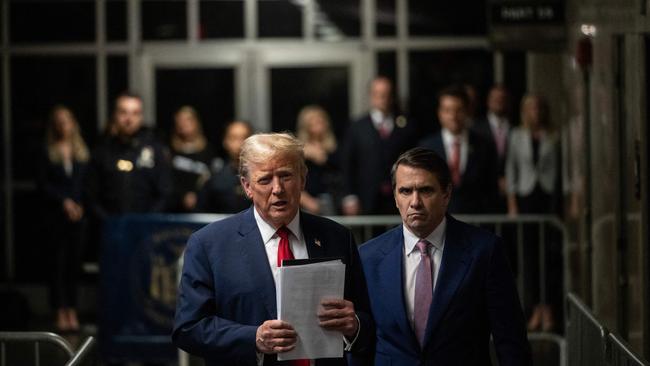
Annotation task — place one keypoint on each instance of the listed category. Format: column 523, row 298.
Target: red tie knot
column 283, row 233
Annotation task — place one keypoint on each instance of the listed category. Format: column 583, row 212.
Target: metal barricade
column 37, row 339
column 586, row 336
column 619, row 353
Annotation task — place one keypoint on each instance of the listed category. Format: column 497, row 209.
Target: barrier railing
column 591, row 344
column 619, row 353
column 37, row 339
column 585, row 335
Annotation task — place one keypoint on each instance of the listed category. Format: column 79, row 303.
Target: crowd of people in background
column 498, row 164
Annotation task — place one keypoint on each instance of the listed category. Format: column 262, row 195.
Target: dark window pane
column 431, row 71
column 116, row 20
column 386, row 21
column 165, row 19
column 118, row 78
column 222, row 19
column 279, row 18
column 459, row 17
column 336, row 19
column 387, row 65
column 293, row 88
column 514, row 65
column 210, row 90
column 37, row 84
column 49, row 21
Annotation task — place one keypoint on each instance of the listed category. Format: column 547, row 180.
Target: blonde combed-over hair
column 262, row 147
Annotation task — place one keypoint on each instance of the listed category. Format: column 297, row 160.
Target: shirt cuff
column 350, row 344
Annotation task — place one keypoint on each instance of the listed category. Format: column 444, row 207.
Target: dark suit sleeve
column 197, row 327
column 504, row 312
column 357, row 292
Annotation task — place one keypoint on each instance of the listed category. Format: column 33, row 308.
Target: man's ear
column 247, row 187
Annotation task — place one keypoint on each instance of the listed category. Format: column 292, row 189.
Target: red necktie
column 284, row 252
column 454, row 162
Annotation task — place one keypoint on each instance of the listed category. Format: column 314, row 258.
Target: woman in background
column 61, row 176
column 314, row 130
column 191, row 158
column 533, row 187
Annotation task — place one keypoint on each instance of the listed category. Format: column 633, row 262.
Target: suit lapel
column 254, row 253
column 392, row 283
column 313, row 240
column 455, row 262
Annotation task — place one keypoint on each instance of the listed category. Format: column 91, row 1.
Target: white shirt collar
column 496, row 121
column 378, row 117
column 448, row 137
column 437, row 237
column 268, row 231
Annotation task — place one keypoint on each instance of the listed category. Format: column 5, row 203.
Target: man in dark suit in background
column 226, row 307
column 439, row 288
column 495, row 128
column 371, row 145
column 470, row 157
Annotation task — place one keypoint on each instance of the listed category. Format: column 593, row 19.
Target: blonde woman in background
column 533, row 187
column 60, row 180
column 191, row 158
column 314, row 130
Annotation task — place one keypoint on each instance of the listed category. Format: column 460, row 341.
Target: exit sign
column 523, row 13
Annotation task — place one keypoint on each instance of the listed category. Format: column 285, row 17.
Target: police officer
column 130, row 170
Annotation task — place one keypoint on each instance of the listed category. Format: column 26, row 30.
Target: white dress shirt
column 412, row 258
column 379, row 118
column 271, row 242
column 448, row 140
column 499, row 127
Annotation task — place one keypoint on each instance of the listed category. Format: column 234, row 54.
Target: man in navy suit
column 472, row 160
column 371, row 145
column 439, row 288
column 226, row 310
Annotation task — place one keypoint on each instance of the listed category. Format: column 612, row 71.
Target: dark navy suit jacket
column 227, row 289
column 475, row 297
column 478, row 189
column 366, row 160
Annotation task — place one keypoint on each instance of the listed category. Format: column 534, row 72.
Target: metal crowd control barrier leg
column 619, row 353
column 586, row 336
column 38, row 338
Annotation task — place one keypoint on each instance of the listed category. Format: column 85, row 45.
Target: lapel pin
column 317, row 242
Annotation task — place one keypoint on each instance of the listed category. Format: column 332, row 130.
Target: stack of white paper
column 300, row 291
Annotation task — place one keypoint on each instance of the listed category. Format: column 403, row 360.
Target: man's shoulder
column 478, row 238
column 324, row 224
column 381, row 243
column 219, row 230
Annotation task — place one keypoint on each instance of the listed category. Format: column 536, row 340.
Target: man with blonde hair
column 226, row 311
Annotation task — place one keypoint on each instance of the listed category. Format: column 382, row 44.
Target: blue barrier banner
column 140, row 261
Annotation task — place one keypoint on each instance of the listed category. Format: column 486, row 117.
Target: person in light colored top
column 533, row 186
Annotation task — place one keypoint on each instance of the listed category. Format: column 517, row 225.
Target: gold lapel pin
column 317, row 242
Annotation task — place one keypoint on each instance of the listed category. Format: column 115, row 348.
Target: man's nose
column 278, row 186
column 416, row 200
